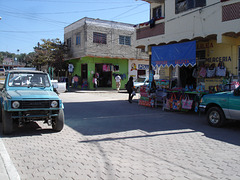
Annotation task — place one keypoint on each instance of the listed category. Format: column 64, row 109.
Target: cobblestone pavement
column 107, row 138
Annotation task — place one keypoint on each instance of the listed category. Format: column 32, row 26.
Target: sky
column 25, row 22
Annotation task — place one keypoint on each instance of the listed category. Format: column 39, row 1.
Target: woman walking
column 129, row 87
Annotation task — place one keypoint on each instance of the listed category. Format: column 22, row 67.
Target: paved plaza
column 107, row 138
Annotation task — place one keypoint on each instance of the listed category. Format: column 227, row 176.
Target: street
column 107, row 138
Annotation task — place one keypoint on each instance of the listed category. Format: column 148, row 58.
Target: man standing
column 118, row 81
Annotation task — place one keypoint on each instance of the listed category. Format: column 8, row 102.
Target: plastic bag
column 187, row 103
column 133, row 93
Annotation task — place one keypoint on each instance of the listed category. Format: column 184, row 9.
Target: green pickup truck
column 221, row 107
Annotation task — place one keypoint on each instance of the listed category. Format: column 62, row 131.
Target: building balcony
column 150, row 29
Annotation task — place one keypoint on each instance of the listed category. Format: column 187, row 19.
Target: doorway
column 105, row 75
column 84, row 72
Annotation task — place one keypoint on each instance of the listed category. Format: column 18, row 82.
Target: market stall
column 190, row 77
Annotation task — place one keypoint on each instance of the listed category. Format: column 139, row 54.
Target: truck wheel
column 215, row 117
column 7, row 122
column 58, row 122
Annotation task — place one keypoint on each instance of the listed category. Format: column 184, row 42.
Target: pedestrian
column 95, row 81
column 75, row 81
column 130, row 89
column 118, row 81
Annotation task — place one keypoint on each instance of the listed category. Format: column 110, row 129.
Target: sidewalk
column 7, row 169
column 98, row 90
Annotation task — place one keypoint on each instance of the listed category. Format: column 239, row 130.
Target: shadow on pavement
column 29, row 129
column 98, row 118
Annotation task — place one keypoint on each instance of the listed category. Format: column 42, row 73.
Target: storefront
column 191, row 70
column 106, row 68
column 138, row 68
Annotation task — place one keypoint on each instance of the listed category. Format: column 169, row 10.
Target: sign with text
column 174, row 54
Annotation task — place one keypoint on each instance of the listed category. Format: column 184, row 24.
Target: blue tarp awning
column 174, row 54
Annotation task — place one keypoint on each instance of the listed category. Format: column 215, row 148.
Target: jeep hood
column 220, row 94
column 33, row 94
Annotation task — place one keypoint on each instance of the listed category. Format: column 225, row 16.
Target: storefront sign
column 174, row 54
column 204, row 45
column 143, row 67
column 133, row 67
column 219, row 59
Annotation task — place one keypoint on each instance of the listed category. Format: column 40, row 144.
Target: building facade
column 102, row 47
column 214, row 25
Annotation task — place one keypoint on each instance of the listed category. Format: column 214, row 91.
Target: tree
column 50, row 54
column 29, row 59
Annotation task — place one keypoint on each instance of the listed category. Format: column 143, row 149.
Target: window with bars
column 125, row 40
column 157, row 12
column 99, row 38
column 78, row 39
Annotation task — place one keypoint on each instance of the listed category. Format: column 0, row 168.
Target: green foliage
column 50, row 53
column 22, row 58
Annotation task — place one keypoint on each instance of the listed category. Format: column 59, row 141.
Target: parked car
column 221, row 107
column 27, row 96
column 139, row 82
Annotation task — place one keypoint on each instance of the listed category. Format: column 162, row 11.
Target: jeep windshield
column 26, row 79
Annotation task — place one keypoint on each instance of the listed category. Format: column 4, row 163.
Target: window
column 125, row 40
column 69, row 42
column 201, row 54
column 28, row 79
column 78, row 39
column 157, row 12
column 99, row 38
column 184, row 5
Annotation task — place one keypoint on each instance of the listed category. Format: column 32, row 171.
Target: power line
column 128, row 11
column 71, row 12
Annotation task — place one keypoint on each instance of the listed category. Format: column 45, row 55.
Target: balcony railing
column 150, row 30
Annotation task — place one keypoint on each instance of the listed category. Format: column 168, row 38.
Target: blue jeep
column 26, row 96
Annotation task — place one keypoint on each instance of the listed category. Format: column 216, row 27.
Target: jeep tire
column 7, row 122
column 215, row 117
column 58, row 121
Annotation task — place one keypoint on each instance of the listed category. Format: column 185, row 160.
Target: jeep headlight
column 54, row 104
column 15, row 104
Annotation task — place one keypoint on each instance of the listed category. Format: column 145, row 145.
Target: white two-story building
column 211, row 29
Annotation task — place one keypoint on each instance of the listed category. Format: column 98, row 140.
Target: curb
column 8, row 170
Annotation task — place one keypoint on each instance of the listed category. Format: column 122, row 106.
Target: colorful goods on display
column 187, row 103
column 144, row 100
column 179, row 102
column 162, row 83
column 216, row 79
